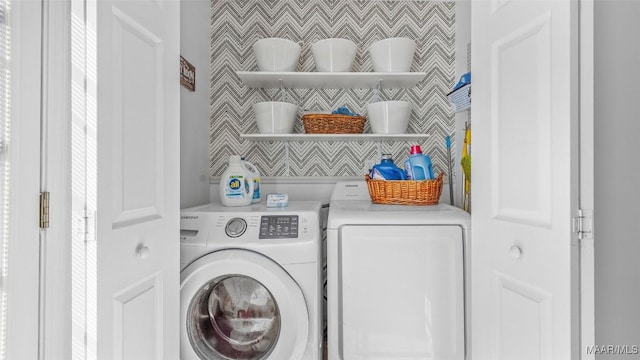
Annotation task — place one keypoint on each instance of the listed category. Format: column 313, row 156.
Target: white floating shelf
column 334, row 137
column 330, row 80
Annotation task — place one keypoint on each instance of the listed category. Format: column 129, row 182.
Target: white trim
column 463, row 39
column 587, row 250
column 56, row 179
column 23, row 272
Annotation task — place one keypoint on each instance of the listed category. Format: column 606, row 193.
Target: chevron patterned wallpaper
column 237, row 24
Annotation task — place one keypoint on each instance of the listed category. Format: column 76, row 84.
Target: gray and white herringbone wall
column 237, row 24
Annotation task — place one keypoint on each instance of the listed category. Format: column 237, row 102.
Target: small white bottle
column 236, row 185
column 255, row 177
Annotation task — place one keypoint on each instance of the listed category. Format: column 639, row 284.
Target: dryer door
column 237, row 304
column 400, row 292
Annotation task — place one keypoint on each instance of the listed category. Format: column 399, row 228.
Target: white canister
column 236, row 187
column 255, row 177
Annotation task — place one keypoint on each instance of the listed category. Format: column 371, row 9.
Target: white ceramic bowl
column 392, row 55
column 275, row 54
column 389, row 117
column 334, row 55
column 275, row 117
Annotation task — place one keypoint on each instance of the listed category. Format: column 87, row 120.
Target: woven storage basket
column 333, row 124
column 405, row 192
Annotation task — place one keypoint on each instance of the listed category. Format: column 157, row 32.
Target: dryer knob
column 235, row 227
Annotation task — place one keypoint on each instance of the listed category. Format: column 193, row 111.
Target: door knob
column 142, row 251
column 515, row 251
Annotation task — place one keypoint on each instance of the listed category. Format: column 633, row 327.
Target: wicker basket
column 405, row 192
column 333, row 124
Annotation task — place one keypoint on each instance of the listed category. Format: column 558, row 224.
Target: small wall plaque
column 187, row 74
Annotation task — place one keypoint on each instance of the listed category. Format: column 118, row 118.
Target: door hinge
column 583, row 224
column 44, row 210
column 89, row 225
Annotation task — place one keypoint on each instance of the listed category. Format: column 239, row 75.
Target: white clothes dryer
column 395, row 278
column 250, row 282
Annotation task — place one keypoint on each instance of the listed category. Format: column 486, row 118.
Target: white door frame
column 55, row 328
column 23, row 270
column 587, row 187
column 38, row 286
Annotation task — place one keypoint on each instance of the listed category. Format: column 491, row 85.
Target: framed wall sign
column 187, row 74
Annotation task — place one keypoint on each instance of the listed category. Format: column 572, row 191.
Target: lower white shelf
column 334, row 137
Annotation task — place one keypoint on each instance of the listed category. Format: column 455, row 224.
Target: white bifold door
column 525, row 179
column 137, row 228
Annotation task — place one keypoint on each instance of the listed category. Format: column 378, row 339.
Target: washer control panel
column 264, row 227
column 278, row 227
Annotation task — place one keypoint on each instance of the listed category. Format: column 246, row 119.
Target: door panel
column 524, row 179
column 137, row 311
column 523, row 314
column 138, row 179
column 522, row 162
column 137, row 74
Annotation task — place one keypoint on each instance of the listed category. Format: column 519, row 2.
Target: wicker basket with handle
column 333, row 124
column 405, row 192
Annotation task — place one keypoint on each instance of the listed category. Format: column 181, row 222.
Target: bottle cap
column 386, row 156
column 415, row 149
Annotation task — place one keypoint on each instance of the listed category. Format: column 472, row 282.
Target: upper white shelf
column 330, row 80
column 334, row 137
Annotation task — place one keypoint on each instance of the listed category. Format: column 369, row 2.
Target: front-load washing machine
column 395, row 278
column 250, row 282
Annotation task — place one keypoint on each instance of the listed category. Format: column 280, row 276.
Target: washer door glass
column 233, row 317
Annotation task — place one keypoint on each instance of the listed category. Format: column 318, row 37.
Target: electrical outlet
column 368, row 164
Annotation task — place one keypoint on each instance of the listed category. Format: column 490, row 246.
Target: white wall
column 463, row 38
column 194, row 106
column 617, row 173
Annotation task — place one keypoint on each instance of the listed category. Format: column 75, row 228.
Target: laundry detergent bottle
column 236, row 185
column 418, row 166
column 255, row 178
column 387, row 170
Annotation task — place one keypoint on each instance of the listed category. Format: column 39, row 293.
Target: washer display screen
column 279, row 227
